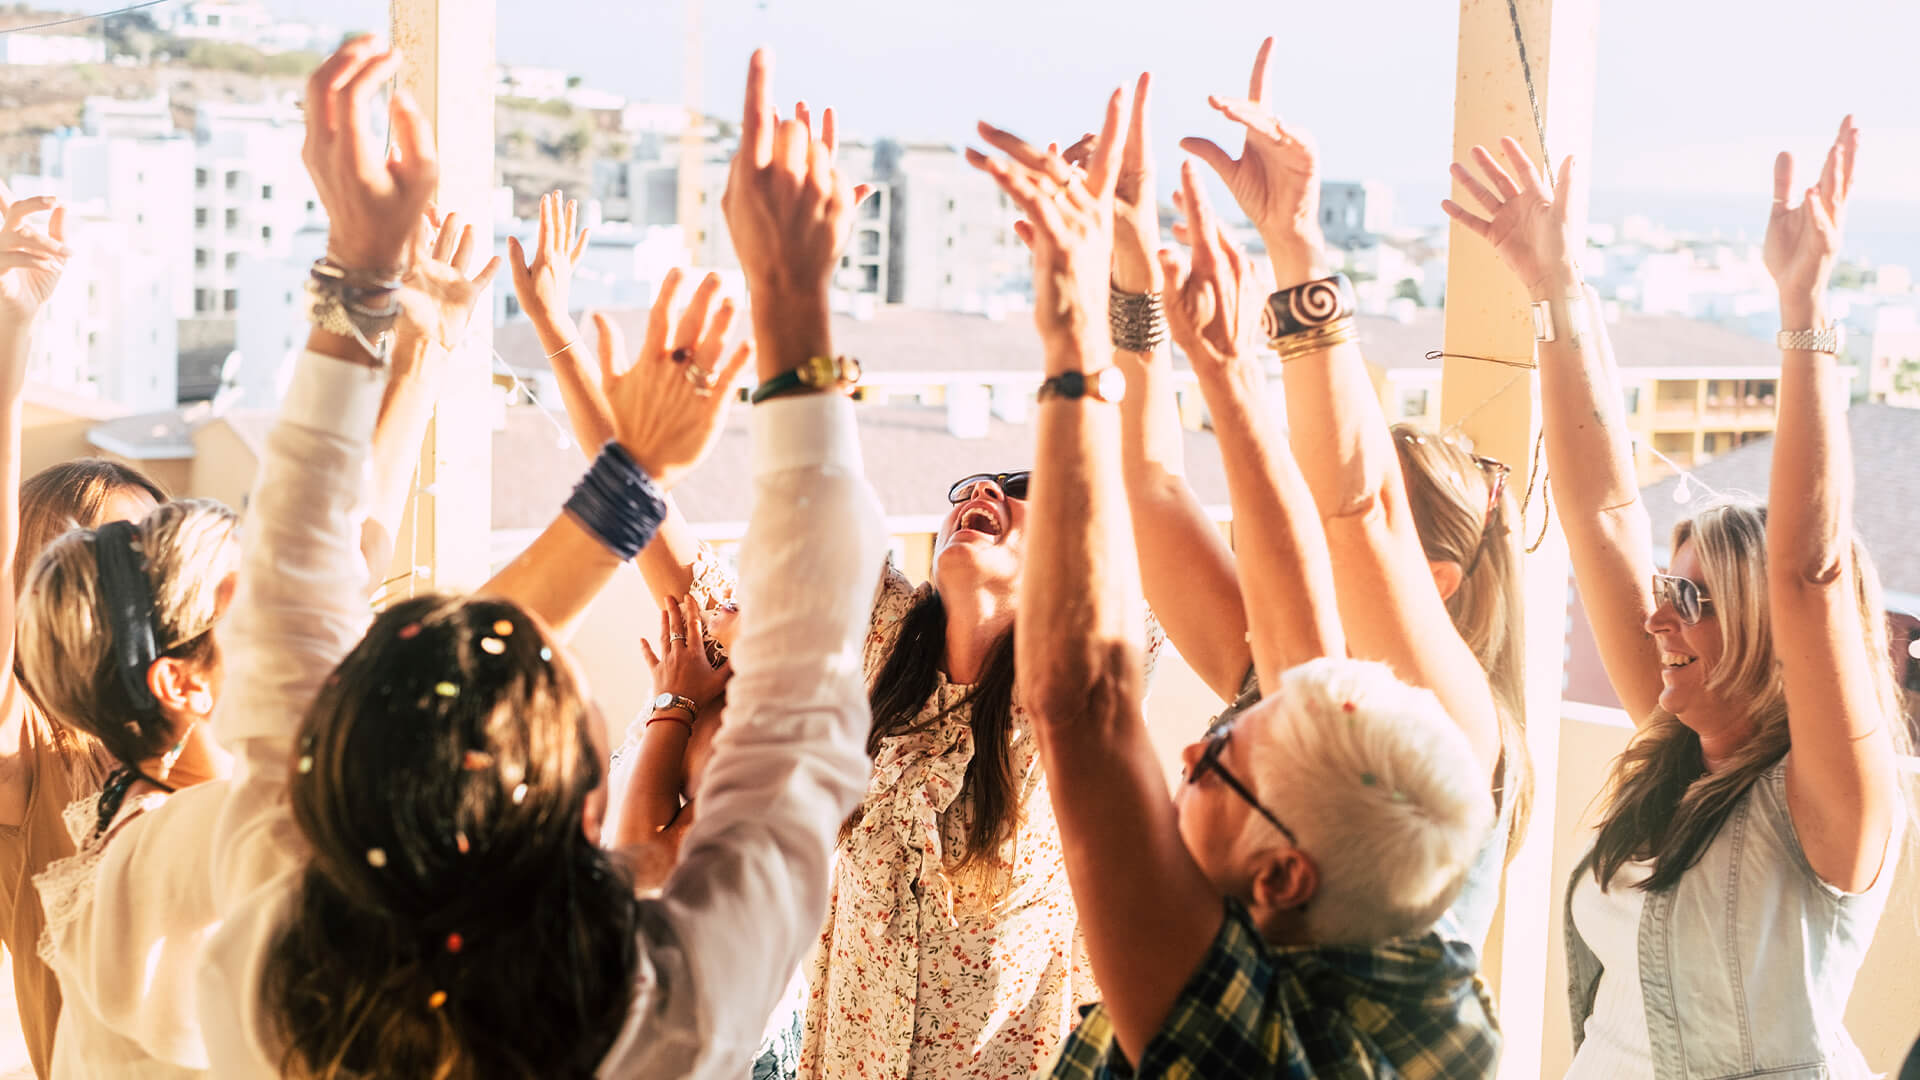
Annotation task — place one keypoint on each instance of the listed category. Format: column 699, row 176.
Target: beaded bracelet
column 618, row 502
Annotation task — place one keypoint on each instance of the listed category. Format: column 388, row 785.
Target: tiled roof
column 1886, row 465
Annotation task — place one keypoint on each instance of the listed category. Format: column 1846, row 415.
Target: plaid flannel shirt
column 1414, row 1009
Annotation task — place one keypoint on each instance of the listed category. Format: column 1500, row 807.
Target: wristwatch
column 669, row 700
column 1107, row 385
column 1579, row 319
column 1308, row 307
column 1832, row 340
column 815, row 374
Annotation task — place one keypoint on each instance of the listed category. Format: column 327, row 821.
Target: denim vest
column 1746, row 964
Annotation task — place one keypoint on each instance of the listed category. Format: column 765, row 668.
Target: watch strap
column 1072, row 385
column 1832, row 340
column 816, row 374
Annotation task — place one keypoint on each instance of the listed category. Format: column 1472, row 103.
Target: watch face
column 1110, row 385
column 663, row 701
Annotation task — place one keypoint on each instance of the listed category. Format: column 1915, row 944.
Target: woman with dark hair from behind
column 43, row 765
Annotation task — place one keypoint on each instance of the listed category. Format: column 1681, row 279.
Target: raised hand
column 1276, row 178
column 1531, row 227
column 543, row 280
column 374, row 199
column 1803, row 241
column 31, row 258
column 1070, row 218
column 668, row 405
column 1209, row 306
column 440, row 290
column 1136, row 215
column 682, row 667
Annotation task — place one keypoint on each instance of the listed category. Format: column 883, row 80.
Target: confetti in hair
column 410, row 631
column 436, row 999
column 306, row 764
column 503, row 628
column 455, row 943
column 519, row 794
column 376, row 857
column 492, row 646
column 446, row 690
column 460, row 841
column 546, row 654
column 476, row 761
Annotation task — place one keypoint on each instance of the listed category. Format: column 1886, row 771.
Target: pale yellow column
column 1486, row 316
column 449, row 51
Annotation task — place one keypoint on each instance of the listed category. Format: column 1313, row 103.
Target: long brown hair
column 455, row 920
column 1450, row 493
column 1661, row 803
column 906, row 683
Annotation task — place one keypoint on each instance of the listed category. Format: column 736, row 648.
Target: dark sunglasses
column 1209, row 762
column 1688, row 601
column 1497, row 472
column 1011, row 484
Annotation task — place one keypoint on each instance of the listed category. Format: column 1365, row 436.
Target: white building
column 1353, row 211
column 951, row 242
column 241, row 22
column 528, row 81
column 271, row 321
column 1893, row 357
column 621, row 268
column 251, row 193
column 48, row 50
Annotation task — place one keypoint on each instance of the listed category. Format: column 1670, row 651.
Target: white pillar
column 448, row 46
column 1494, row 403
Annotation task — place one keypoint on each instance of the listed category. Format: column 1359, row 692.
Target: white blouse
column 1617, row 1044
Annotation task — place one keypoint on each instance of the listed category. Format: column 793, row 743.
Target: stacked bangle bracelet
column 1137, row 321
column 618, row 502
column 1302, row 342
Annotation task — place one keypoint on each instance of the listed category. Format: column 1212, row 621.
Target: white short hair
column 1382, row 789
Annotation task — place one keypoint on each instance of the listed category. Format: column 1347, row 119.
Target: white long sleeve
column 127, row 938
column 750, row 892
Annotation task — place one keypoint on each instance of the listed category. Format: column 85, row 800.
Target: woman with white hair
column 1748, row 834
column 1278, row 917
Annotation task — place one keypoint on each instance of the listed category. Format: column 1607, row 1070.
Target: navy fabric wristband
column 618, row 502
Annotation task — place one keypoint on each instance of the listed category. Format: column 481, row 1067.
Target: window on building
column 199, row 178
column 233, row 181
column 200, row 216
column 1633, row 400
column 311, row 206
column 230, row 300
column 233, row 260
column 213, row 20
column 139, row 219
column 233, row 219
column 513, row 307
column 199, row 257
column 950, row 206
column 1413, row 404
column 949, row 243
column 266, row 233
column 199, row 300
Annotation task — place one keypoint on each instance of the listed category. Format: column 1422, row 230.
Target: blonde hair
column 1660, row 802
column 1450, row 493
column 1380, row 787
column 66, row 637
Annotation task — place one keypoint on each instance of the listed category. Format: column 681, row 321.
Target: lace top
column 918, row 972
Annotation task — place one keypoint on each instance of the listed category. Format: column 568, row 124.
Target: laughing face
column 983, row 532
column 1687, row 652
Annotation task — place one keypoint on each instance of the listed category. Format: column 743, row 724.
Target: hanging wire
column 81, row 18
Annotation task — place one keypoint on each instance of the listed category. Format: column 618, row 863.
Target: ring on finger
column 681, row 355
column 700, row 377
column 677, row 637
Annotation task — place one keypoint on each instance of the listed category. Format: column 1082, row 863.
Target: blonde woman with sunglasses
column 1749, row 833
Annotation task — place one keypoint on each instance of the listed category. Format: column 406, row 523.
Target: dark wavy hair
column 902, row 689
column 455, row 921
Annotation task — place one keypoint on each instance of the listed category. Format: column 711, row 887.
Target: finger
column 1178, row 321
column 1182, row 235
column 611, row 343
column 358, row 93
column 804, row 117
column 573, row 218
column 714, row 338
column 6, row 197
column 1569, row 190
column 1849, row 147
column 690, row 612
column 463, row 254
column 1502, row 183
column 57, row 224
column 322, row 116
column 517, row 257
column 792, row 147
column 484, row 278
column 694, row 319
column 1782, row 179
column 579, row 246
column 1221, row 162
column 19, row 211
column 1201, row 224
column 1475, row 188
column 756, row 121
column 420, row 168
column 1023, row 229
column 1830, row 176
column 1104, row 170
column 676, row 622
column 1523, row 168
column 1465, row 217
column 446, row 240
column 543, row 237
column 1816, row 211
column 830, row 133
column 23, row 260
column 729, row 375
column 666, row 626
column 1137, row 142
column 653, row 660
column 434, row 217
column 1082, row 149
column 1020, row 151
column 1257, row 83
column 860, row 193
column 658, row 318
column 1023, row 188
column 30, row 241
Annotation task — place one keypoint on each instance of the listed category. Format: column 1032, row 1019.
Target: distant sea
column 1878, row 232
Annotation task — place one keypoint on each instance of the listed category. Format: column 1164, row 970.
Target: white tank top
column 1617, row 1044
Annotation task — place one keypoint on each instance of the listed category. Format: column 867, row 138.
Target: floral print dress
column 974, row 976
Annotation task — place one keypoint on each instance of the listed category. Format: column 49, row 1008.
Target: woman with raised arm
column 1273, row 920
column 1751, row 826
column 1404, row 512
column 950, row 949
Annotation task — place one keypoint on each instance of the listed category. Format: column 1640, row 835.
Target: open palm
column 1803, row 241
column 1276, row 178
column 31, row 259
column 543, row 280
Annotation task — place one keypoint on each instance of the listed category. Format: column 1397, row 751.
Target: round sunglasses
column 1689, row 603
column 1011, row 484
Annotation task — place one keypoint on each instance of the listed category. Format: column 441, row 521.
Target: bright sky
column 1694, row 95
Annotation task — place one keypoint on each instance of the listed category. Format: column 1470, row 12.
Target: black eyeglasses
column 1688, row 601
column 1209, row 762
column 1011, row 484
